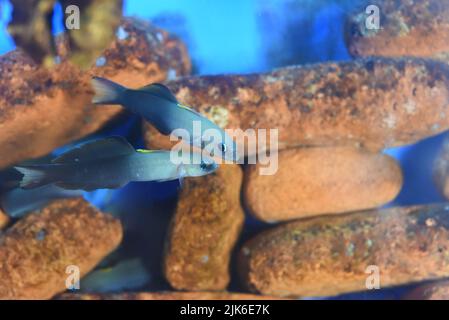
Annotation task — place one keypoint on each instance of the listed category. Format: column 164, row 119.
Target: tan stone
column 36, row 251
column 407, row 28
column 204, row 230
column 327, row 180
column 330, row 255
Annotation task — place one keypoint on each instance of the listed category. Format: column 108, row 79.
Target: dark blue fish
column 111, row 163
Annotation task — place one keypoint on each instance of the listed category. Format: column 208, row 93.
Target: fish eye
column 222, row 147
column 206, row 166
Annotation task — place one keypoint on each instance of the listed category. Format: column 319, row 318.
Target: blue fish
column 126, row 275
column 156, row 104
column 111, row 163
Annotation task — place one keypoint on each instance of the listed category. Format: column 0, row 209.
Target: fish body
column 126, row 275
column 111, row 163
column 159, row 106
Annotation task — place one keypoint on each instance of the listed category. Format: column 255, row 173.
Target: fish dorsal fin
column 160, row 90
column 95, row 150
column 182, row 106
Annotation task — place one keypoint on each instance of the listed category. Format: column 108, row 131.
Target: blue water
column 230, row 36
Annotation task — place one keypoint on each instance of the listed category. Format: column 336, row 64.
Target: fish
column 125, row 275
column 157, row 104
column 18, row 202
column 111, row 163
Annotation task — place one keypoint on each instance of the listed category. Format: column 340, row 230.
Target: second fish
column 111, row 163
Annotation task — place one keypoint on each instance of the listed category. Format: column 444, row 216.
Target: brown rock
column 4, row 219
column 166, row 295
column 35, row 252
column 376, row 102
column 407, row 28
column 313, row 181
column 204, row 230
column 330, row 255
column 41, row 109
column 438, row 290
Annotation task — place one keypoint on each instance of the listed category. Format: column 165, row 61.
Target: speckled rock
column 204, row 230
column 438, row 290
column 4, row 220
column 407, row 28
column 375, row 102
column 319, row 180
column 166, row 295
column 41, row 109
column 440, row 169
column 36, row 251
column 329, row 255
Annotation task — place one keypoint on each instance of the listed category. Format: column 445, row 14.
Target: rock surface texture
column 417, row 28
column 204, row 230
column 330, row 255
column 36, row 252
column 314, row 181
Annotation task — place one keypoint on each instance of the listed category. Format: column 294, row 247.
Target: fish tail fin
column 33, row 177
column 106, row 91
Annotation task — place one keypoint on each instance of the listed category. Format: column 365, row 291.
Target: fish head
column 206, row 166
